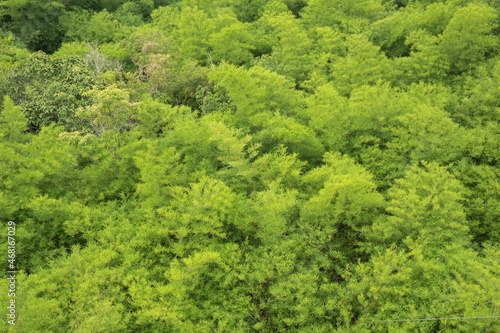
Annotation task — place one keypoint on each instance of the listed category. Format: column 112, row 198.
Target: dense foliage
column 242, row 166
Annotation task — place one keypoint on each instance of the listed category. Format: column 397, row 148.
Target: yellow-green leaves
column 428, row 134
column 469, row 38
column 257, row 90
column 83, row 292
column 111, row 110
column 347, row 196
column 352, row 16
column 363, row 64
column 195, row 217
column 13, row 123
column 425, row 205
column 273, row 209
column 233, row 43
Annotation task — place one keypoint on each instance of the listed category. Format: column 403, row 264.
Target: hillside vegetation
column 251, row 166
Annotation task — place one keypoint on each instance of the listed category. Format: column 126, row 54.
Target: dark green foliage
column 35, row 22
column 49, row 90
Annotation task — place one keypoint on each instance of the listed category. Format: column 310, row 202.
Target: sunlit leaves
column 426, row 204
column 13, row 123
column 468, row 37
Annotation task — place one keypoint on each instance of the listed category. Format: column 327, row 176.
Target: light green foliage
column 371, row 113
column 215, row 149
column 482, row 200
column 342, row 183
column 352, row 16
column 344, row 202
column 191, row 280
column 379, row 280
column 33, row 173
column 206, row 38
column 192, row 33
column 243, row 166
column 328, row 45
column 42, row 164
column 428, row 134
column 141, row 8
column 192, row 215
column 426, row 203
column 214, row 99
column 291, row 45
column 207, row 6
column 468, row 37
column 481, row 97
column 482, row 142
column 272, row 208
column 190, row 28
column 153, row 117
column 325, row 109
column 81, row 293
column 257, row 91
column 391, row 33
column 278, row 167
column 157, row 172
column 52, row 158
column 462, row 44
column 110, row 111
column 99, row 58
column 171, row 76
column 477, row 286
column 387, row 128
column 379, row 290
column 101, row 27
column 232, row 44
column 106, row 167
column 362, row 64
column 234, row 151
column 210, row 146
column 282, row 130
column 13, row 123
column 10, row 54
column 12, row 128
column 76, row 48
column 248, row 11
column 426, row 63
column 173, row 81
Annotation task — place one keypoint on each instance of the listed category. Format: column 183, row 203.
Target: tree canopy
column 251, row 166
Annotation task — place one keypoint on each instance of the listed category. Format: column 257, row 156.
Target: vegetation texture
column 251, row 166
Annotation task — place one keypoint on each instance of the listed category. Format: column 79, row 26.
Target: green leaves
column 291, row 45
column 49, row 90
column 468, row 37
column 13, row 123
column 37, row 23
column 273, row 208
column 428, row 134
column 363, row 64
column 351, row 17
column 111, row 110
column 257, row 91
column 74, row 289
column 426, row 204
column 233, row 43
column 274, row 166
column 343, row 205
column 347, row 192
column 195, row 217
